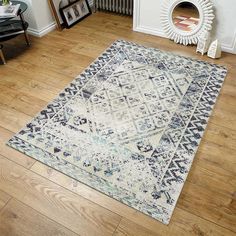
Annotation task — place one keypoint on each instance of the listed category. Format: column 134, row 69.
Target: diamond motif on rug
column 128, row 126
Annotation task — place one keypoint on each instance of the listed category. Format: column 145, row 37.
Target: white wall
column 39, row 17
column 147, row 20
column 44, row 19
column 29, row 17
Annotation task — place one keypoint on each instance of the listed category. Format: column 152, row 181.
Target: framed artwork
column 55, row 6
column 75, row 12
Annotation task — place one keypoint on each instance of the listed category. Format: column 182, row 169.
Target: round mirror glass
column 185, row 16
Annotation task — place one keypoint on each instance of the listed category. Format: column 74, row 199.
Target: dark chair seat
column 11, row 29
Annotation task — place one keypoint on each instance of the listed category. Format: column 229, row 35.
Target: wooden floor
column 37, row 200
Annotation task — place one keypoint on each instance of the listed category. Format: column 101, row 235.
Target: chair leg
column 2, row 56
column 95, row 6
column 27, row 38
column 25, row 30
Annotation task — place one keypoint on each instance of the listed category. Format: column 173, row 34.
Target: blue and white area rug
column 128, row 126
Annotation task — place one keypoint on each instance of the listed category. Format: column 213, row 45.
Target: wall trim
column 136, row 15
column 43, row 31
column 147, row 30
column 230, row 48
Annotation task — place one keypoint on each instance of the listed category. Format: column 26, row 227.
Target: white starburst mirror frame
column 206, row 16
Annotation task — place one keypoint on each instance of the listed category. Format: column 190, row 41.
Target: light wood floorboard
column 21, row 220
column 37, row 200
column 69, row 209
column 4, row 198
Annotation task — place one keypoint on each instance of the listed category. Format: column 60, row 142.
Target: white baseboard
column 43, row 31
column 147, row 30
column 230, row 48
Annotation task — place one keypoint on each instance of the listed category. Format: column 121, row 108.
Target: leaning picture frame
column 55, row 9
column 75, row 12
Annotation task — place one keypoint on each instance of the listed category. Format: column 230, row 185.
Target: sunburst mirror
column 184, row 21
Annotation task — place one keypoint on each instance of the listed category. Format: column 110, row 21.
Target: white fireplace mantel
column 147, row 20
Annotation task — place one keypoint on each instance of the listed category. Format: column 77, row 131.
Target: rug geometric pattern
column 128, row 126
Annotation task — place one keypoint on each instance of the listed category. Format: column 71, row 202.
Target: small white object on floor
column 203, row 43
column 214, row 50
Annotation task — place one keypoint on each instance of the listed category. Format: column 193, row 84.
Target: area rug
column 128, row 126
